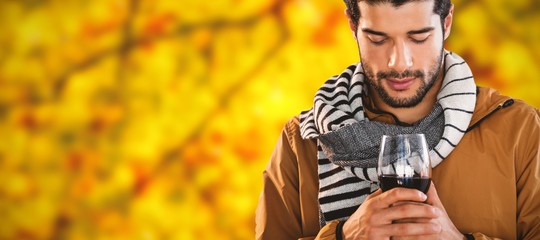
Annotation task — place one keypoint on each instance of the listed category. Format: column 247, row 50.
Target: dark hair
column 441, row 7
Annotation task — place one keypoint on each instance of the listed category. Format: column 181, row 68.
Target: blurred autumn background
column 155, row 119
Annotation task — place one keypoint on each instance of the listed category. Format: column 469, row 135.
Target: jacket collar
column 488, row 101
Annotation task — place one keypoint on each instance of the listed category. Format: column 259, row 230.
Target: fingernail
column 437, row 228
column 436, row 211
column 423, row 196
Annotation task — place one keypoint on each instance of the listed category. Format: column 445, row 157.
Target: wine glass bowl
column 404, row 162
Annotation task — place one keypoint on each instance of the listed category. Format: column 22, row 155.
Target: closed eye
column 420, row 41
column 377, row 40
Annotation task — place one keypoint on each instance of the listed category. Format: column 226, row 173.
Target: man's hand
column 374, row 218
column 449, row 230
column 401, row 213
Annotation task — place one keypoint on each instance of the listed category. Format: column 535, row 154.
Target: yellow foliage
column 155, row 119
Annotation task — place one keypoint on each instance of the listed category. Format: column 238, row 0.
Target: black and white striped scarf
column 344, row 184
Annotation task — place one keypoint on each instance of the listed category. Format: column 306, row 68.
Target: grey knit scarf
column 348, row 143
column 357, row 145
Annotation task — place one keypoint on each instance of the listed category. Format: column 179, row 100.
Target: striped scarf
column 345, row 183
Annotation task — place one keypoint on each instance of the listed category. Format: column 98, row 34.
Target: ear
column 448, row 22
column 351, row 23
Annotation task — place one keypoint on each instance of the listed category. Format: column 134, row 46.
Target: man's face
column 401, row 50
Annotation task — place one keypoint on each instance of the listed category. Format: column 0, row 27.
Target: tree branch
column 284, row 35
column 131, row 43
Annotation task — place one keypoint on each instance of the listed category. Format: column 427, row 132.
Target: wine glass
column 404, row 162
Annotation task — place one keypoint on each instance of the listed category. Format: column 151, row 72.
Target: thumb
column 374, row 194
column 433, row 197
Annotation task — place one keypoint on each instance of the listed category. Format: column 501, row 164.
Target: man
column 321, row 181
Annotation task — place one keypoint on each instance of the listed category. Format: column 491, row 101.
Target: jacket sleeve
column 279, row 210
column 527, row 167
column 528, row 181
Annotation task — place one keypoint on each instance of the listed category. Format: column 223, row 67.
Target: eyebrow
column 412, row 32
column 371, row 31
column 420, row 31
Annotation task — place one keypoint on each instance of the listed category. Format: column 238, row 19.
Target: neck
column 412, row 114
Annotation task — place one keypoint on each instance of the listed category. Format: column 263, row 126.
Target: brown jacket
column 489, row 184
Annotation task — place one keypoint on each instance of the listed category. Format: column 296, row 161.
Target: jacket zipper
column 507, row 103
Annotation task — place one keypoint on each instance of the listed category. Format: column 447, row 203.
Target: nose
column 400, row 57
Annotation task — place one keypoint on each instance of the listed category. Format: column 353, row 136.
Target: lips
column 400, row 84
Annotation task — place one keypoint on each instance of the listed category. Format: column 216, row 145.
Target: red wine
column 388, row 182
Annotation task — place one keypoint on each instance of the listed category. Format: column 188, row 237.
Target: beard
column 375, row 80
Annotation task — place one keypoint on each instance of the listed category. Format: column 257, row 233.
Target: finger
column 412, row 229
column 413, row 220
column 432, row 193
column 374, row 194
column 406, row 202
column 417, row 237
column 433, row 197
column 407, row 211
column 394, row 195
